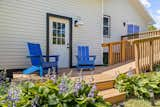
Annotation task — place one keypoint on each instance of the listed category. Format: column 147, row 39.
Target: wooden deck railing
column 147, row 53
column 119, row 51
column 141, row 35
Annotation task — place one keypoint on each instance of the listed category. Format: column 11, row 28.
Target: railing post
column 136, row 47
column 110, row 54
column 151, row 55
column 123, row 50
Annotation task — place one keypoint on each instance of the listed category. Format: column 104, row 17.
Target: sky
column 153, row 6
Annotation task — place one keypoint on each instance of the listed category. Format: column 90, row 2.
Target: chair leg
column 51, row 71
column 56, row 70
column 41, row 71
column 78, row 67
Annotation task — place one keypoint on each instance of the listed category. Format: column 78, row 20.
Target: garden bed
column 53, row 92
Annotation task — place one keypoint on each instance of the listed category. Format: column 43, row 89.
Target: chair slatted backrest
column 83, row 53
column 35, row 50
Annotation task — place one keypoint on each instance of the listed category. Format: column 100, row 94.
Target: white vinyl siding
column 23, row 21
column 122, row 11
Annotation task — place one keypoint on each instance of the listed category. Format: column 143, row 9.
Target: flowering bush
column 61, row 92
column 139, row 85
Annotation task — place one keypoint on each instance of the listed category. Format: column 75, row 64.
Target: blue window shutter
column 136, row 29
column 130, row 29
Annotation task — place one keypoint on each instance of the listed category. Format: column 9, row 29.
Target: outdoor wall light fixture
column 124, row 24
column 78, row 22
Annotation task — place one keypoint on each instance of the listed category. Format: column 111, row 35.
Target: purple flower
column 13, row 94
column 92, row 92
column 63, row 87
column 77, row 87
column 53, row 78
column 35, row 102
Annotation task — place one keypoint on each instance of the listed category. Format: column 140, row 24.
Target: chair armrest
column 93, row 56
column 30, row 56
column 77, row 57
column 54, row 56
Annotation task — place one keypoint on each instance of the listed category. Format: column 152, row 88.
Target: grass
column 140, row 103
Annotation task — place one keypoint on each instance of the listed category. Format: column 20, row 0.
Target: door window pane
column 54, row 40
column 54, row 33
column 63, row 33
column 63, row 27
column 59, row 33
column 59, row 41
column 54, row 25
column 59, row 26
column 63, row 40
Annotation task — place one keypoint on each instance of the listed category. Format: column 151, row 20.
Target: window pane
column 54, row 40
column 105, row 31
column 130, row 29
column 54, row 25
column 136, row 29
column 63, row 27
column 106, row 21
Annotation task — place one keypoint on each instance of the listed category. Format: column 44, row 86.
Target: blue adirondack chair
column 38, row 63
column 84, row 61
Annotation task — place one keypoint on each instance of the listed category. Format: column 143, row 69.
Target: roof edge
column 147, row 13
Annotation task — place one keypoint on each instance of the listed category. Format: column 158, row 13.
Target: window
column 133, row 29
column 106, row 26
column 58, row 33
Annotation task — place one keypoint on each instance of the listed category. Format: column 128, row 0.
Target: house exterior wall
column 23, row 21
column 122, row 11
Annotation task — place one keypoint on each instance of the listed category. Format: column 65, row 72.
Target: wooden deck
column 100, row 74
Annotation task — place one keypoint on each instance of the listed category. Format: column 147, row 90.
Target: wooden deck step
column 105, row 85
column 113, row 96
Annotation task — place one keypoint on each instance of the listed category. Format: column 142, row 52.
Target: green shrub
column 61, row 92
column 157, row 68
column 139, row 85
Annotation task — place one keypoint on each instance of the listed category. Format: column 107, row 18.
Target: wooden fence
column 147, row 53
column 119, row 52
column 141, row 35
